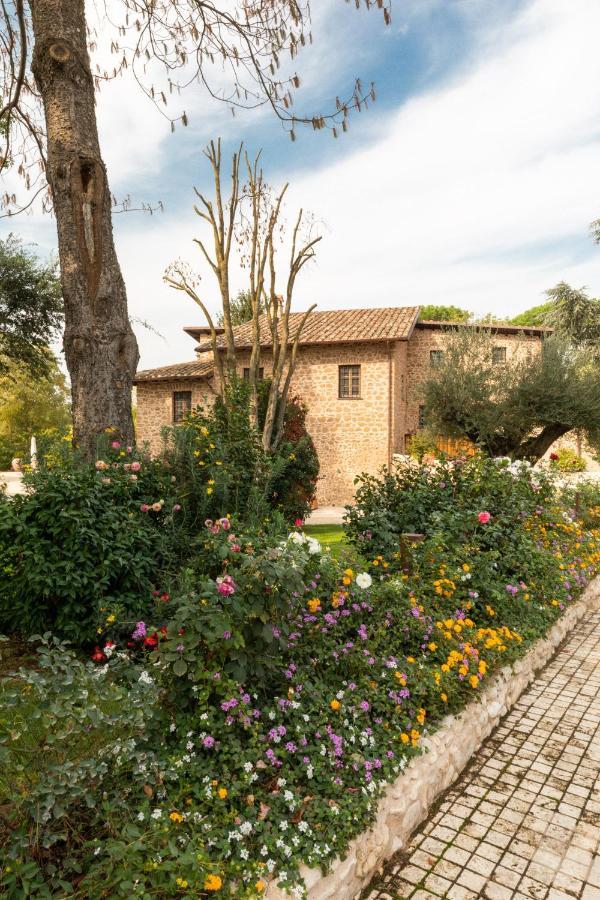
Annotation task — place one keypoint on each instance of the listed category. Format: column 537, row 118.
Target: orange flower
column 335, row 705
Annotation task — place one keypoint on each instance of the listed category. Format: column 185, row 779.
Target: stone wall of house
column 154, row 407
column 350, row 435
column 424, row 340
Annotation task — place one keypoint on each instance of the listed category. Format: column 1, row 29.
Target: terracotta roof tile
column 337, row 326
column 177, row 372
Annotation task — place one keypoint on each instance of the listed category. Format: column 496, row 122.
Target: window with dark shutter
column 498, row 356
column 422, row 417
column 246, row 373
column 182, row 405
column 436, row 357
column 349, row 382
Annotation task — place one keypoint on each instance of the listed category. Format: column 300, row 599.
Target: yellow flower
column 260, row 885
column 176, row 817
column 222, row 793
column 209, row 491
column 410, row 659
column 474, row 681
column 444, row 698
column 432, row 646
column 181, row 882
column 421, row 717
column 466, row 567
column 110, row 618
column 335, row 705
column 212, row 883
column 314, row 604
column 404, row 738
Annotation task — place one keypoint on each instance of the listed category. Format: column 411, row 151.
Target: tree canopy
column 517, row 409
column 432, row 313
column 31, row 406
column 31, row 308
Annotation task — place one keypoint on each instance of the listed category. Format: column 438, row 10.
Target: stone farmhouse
column 358, row 371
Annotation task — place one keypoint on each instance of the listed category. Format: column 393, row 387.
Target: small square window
column 436, row 358
column 498, row 356
column 182, row 405
column 422, row 417
column 246, row 373
column 349, row 382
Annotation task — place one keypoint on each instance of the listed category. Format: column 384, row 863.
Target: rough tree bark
column 100, row 346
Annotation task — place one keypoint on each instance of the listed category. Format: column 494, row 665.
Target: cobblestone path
column 523, row 820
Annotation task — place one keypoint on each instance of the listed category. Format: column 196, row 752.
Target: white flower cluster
column 311, row 544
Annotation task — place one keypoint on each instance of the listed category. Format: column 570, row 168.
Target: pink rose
column 225, row 524
column 116, row 445
column 226, row 585
column 136, row 466
column 298, row 523
column 144, row 507
column 176, row 507
column 484, row 517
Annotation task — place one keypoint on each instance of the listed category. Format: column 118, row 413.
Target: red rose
column 164, row 597
column 151, row 641
column 98, row 656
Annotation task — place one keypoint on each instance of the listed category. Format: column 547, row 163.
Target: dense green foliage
column 88, row 538
column 32, row 406
column 79, row 541
column 154, row 771
column 30, row 308
column 536, row 316
column 439, row 313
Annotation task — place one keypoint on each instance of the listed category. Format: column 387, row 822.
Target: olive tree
column 518, row 409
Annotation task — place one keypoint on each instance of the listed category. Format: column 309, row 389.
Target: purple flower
column 226, row 635
column 208, row 741
column 364, row 705
column 362, row 632
column 139, row 631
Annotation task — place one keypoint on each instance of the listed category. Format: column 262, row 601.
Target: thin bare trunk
column 100, row 347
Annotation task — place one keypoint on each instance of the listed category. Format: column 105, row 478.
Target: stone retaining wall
column 406, row 802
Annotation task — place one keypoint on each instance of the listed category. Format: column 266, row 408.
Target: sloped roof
column 177, row 372
column 335, row 326
column 500, row 327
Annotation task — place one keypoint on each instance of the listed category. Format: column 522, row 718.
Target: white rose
column 313, row 545
column 296, row 537
column 364, row 580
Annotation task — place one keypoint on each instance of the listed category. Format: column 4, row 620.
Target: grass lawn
column 329, row 536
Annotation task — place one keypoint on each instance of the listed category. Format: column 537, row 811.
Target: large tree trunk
column 100, row 347
column 535, row 447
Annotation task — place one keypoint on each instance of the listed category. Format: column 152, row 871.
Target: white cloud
column 471, row 181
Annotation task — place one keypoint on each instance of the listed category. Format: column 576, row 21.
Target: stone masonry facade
column 351, row 434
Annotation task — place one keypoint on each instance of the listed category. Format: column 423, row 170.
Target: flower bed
column 275, row 693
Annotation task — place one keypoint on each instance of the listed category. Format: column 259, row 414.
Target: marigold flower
column 176, row 817
column 474, row 681
column 260, row 885
column 223, row 793
column 335, row 705
column 213, row 883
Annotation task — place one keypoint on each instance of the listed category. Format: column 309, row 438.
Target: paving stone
column 523, row 821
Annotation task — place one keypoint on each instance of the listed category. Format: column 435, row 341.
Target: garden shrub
column 84, row 538
column 220, row 464
column 566, row 460
column 446, row 497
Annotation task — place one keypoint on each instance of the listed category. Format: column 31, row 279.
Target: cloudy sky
column 471, row 181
